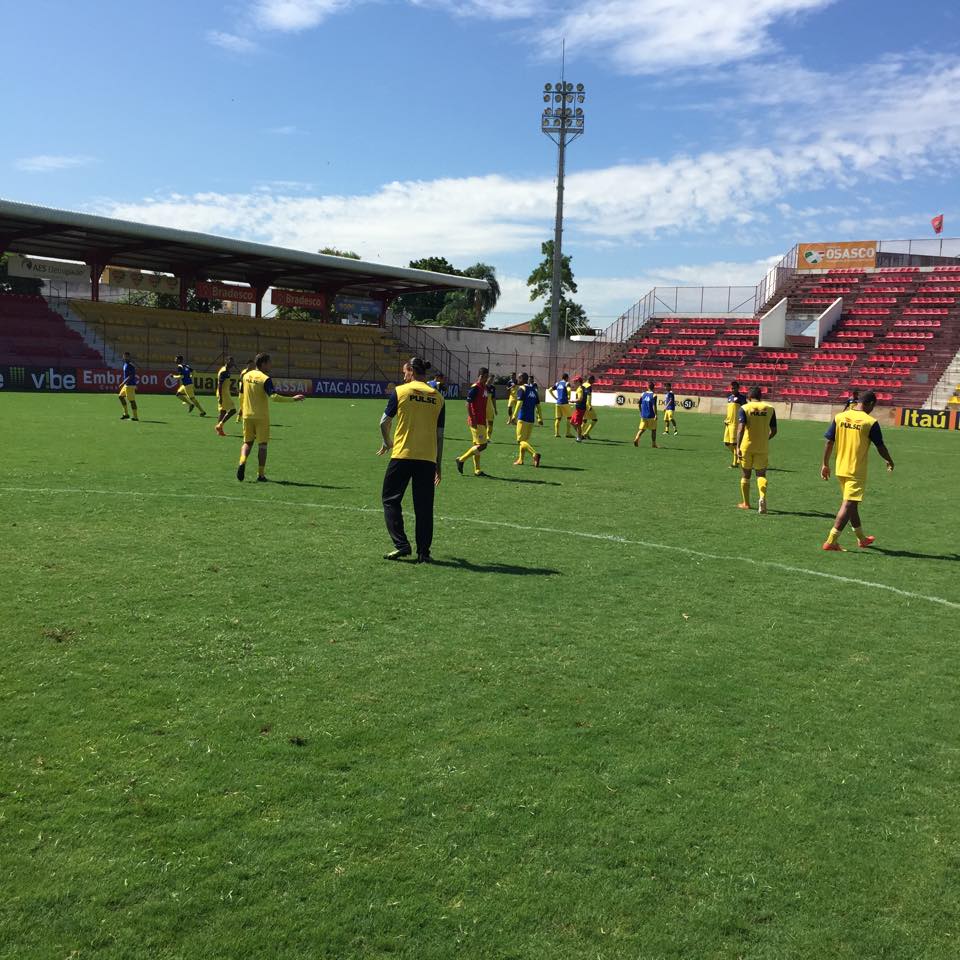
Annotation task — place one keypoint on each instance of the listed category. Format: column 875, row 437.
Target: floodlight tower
column 562, row 122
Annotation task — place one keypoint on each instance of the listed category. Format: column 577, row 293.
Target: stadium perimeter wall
column 503, row 352
column 822, row 412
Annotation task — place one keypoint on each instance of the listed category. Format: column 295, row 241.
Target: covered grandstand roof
column 65, row 235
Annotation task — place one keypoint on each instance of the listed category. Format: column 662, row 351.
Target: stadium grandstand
column 85, row 326
column 805, row 335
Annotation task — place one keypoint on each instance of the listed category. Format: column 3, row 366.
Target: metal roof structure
column 65, row 235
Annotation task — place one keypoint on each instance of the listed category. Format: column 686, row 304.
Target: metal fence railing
column 415, row 341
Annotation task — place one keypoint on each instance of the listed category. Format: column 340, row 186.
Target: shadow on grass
column 803, row 513
column 550, row 466
column 910, row 555
column 458, row 563
column 539, row 483
column 164, row 422
column 298, row 483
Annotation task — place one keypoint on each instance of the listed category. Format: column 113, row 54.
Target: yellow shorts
column 186, row 389
column 524, row 430
column 729, row 432
column 561, row 411
column 478, row 435
column 256, row 428
column 648, row 423
column 851, row 488
column 754, row 461
column 128, row 393
column 667, row 416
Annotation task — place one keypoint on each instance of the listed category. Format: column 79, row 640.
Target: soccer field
column 618, row 718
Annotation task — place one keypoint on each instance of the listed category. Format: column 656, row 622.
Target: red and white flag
column 937, row 223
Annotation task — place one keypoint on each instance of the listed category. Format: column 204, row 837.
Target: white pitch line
column 609, row 538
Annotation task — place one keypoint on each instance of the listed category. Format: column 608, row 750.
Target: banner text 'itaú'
column 858, row 254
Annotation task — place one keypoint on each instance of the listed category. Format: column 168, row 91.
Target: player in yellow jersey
column 735, row 399
column 756, row 427
column 256, row 392
column 851, row 433
column 511, row 399
column 250, row 365
column 416, row 451
column 590, row 416
column 226, row 407
column 491, row 409
column 186, row 389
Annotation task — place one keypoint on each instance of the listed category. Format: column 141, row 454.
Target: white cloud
column 287, row 130
column 50, row 163
column 647, row 36
column 914, row 125
column 486, row 9
column 231, row 42
column 295, row 15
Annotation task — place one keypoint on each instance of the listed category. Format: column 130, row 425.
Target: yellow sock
column 556, row 428
column 744, row 490
column 588, row 428
column 762, row 486
column 476, row 462
column 243, row 458
column 859, row 532
column 736, row 459
column 524, row 446
column 833, row 536
column 466, row 456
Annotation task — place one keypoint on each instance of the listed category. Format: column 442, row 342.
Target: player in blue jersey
column 526, row 399
column 669, row 406
column 648, row 416
column 185, row 391
column 439, row 383
column 560, row 392
column 128, row 388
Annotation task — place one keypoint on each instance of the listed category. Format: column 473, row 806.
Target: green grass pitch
column 229, row 729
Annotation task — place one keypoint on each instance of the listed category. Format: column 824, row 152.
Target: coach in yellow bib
column 416, row 450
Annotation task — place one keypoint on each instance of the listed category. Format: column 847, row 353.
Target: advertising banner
column 225, row 291
column 861, row 254
column 137, row 280
column 351, row 388
column 358, row 305
column 928, row 419
column 633, row 400
column 38, row 378
column 104, row 380
column 298, row 298
column 20, row 266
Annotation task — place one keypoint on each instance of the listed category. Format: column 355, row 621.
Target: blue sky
column 718, row 134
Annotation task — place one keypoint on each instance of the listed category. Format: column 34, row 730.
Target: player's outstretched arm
column 885, row 453
column 436, row 479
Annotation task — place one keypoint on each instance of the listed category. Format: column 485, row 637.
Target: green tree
column 573, row 318
column 170, row 301
column 10, row 284
column 426, row 307
column 334, row 252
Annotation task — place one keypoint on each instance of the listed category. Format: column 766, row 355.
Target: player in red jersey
column 477, row 422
